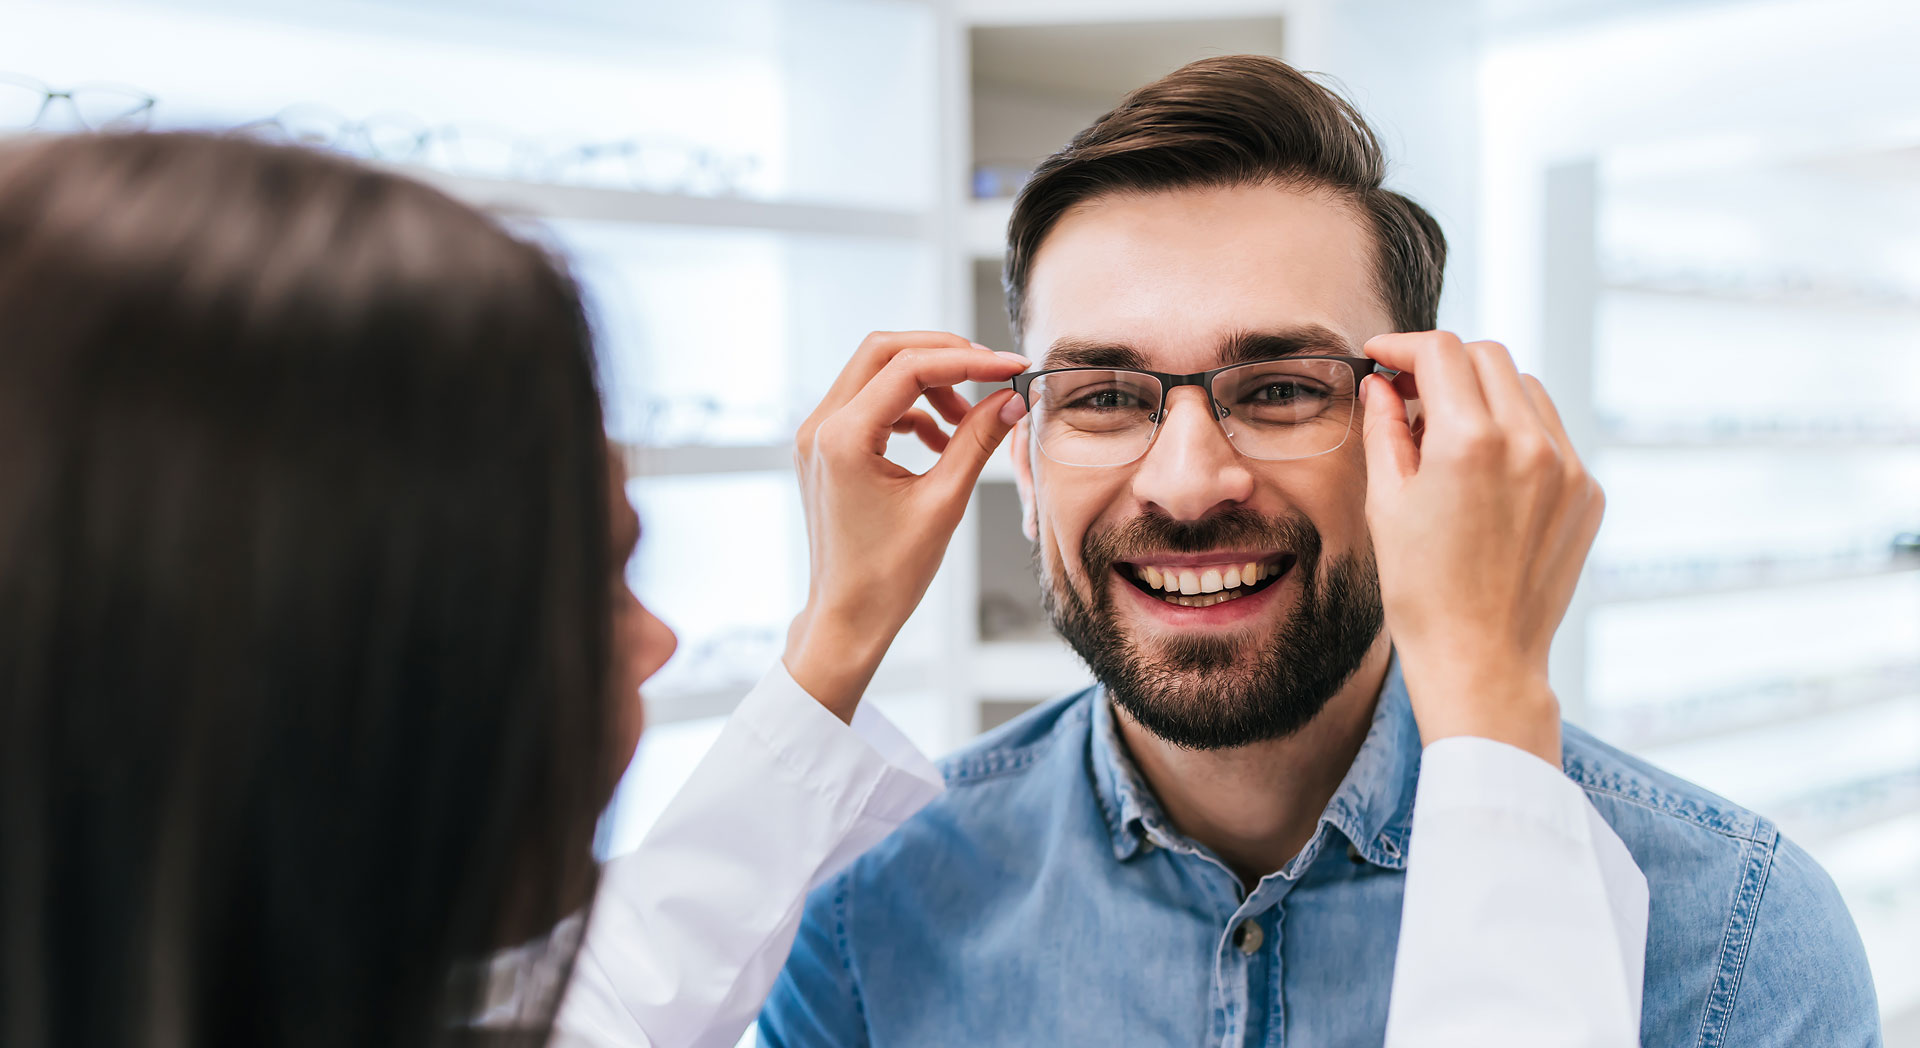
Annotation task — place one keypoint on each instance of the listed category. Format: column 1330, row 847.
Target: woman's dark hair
column 1236, row 120
column 304, row 599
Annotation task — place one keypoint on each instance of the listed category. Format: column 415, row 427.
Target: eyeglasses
column 25, row 104
column 1280, row 409
column 392, row 137
column 656, row 164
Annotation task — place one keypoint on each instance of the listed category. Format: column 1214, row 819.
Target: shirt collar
column 1372, row 808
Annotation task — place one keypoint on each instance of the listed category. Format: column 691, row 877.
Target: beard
column 1218, row 692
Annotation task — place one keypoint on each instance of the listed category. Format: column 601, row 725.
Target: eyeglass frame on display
column 49, row 94
column 702, row 170
column 1022, row 385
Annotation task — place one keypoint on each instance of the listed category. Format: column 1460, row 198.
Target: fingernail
column 1012, row 410
column 1013, row 358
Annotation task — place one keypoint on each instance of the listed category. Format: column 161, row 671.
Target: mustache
column 1236, row 527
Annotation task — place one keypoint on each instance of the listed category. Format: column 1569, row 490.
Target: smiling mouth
column 1204, row 585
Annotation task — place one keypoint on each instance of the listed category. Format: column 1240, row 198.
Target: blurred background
column 1699, row 222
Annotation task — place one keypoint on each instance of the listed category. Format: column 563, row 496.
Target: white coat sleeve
column 689, row 931
column 1524, row 920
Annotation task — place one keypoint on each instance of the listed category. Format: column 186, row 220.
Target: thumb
column 1392, row 456
column 975, row 438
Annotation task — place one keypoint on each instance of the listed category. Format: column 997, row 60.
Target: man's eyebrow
column 1092, row 353
column 1306, row 340
column 1237, row 348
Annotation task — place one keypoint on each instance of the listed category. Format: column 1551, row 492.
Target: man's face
column 1183, row 279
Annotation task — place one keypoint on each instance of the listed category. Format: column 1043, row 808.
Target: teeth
column 1204, row 587
column 1203, row 600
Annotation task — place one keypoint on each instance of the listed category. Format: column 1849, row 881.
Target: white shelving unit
column 1755, row 497
column 547, row 200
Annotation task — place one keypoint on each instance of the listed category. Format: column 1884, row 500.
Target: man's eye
column 1108, row 399
column 1285, row 393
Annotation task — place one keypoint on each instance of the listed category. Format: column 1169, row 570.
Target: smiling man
column 1210, row 846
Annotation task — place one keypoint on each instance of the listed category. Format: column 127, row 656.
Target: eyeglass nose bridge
column 1169, row 383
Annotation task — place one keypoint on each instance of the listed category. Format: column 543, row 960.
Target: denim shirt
column 1046, row 899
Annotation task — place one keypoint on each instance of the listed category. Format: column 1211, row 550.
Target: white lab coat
column 1524, row 920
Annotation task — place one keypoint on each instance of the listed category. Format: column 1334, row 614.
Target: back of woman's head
column 304, row 584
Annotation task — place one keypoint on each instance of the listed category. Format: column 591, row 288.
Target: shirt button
column 1353, row 854
column 1248, row 937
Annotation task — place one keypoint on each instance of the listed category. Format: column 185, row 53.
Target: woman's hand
column 1481, row 522
column 876, row 531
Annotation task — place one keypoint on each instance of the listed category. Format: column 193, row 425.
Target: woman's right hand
column 1481, row 522
column 876, row 531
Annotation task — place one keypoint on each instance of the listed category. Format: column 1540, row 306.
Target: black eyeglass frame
column 1362, row 367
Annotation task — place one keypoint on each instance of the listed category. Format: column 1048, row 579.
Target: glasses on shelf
column 656, row 163
column 660, row 165
column 27, row 104
column 702, row 420
column 393, row 137
column 1280, row 409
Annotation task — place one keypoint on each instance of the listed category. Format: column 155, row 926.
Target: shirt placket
column 1247, row 946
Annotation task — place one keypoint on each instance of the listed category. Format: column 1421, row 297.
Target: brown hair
column 1235, row 120
column 304, row 600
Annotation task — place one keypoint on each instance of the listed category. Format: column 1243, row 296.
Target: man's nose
column 1191, row 470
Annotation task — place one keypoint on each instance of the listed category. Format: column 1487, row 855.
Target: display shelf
column 595, row 203
column 1813, row 296
column 1829, row 814
column 1733, row 439
column 1755, row 708
column 1612, row 586
column 693, row 460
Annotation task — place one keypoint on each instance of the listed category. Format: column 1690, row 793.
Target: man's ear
column 1023, row 481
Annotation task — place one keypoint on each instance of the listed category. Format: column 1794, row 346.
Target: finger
column 1506, row 398
column 922, row 425
column 1549, row 416
column 1448, row 384
column 1392, row 455
column 976, row 438
column 949, row 403
column 909, row 374
column 874, row 352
